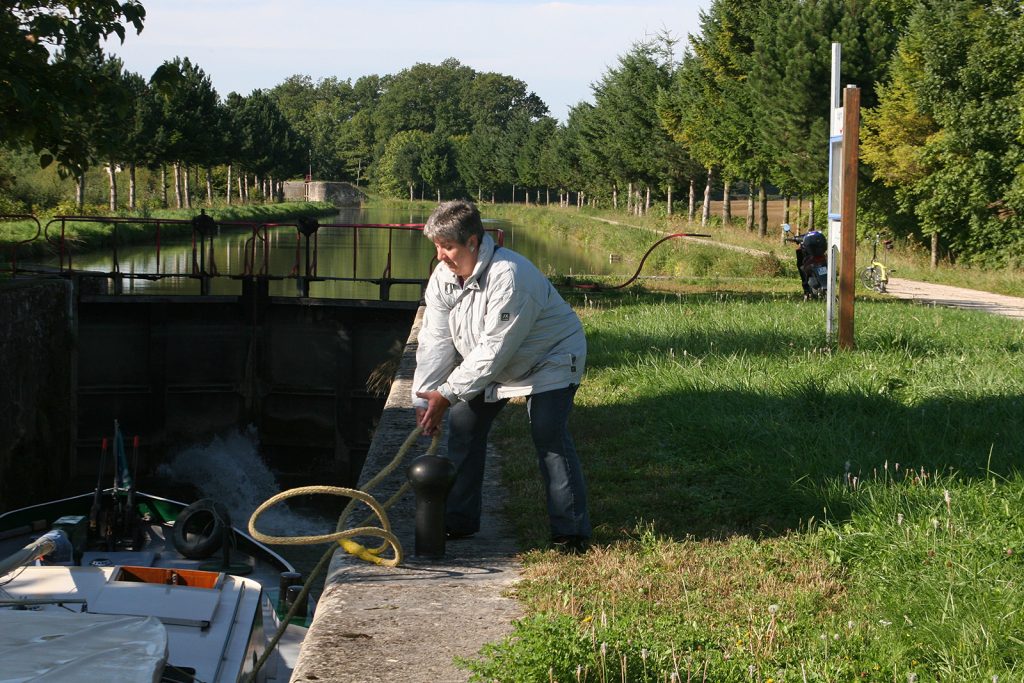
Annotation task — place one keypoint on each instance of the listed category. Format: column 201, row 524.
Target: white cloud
column 557, row 48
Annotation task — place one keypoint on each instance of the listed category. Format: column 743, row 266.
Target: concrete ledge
column 408, row 623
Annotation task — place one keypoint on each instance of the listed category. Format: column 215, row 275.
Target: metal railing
column 202, row 231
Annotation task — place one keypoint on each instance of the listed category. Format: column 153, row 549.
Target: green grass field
column 767, row 508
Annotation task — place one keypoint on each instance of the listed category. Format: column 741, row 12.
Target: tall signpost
column 835, row 190
column 843, row 149
column 848, row 248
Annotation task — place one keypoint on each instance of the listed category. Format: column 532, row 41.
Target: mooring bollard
column 286, row 581
column 431, row 477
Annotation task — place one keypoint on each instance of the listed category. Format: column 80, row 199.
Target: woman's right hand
column 430, row 417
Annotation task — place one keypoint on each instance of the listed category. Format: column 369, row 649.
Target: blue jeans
column 469, row 422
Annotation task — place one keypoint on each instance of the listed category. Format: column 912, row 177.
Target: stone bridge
column 336, row 193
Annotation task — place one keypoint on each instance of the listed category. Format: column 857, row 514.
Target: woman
column 495, row 328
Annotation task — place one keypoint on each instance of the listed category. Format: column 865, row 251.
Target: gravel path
column 956, row 297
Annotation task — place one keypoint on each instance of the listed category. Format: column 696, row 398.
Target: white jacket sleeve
column 511, row 314
column 435, row 351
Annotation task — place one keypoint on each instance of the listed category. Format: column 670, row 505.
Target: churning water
column 230, row 470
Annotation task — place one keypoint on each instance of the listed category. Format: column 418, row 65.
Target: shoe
column 458, row 535
column 570, row 545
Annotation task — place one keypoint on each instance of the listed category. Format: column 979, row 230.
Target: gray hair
column 454, row 221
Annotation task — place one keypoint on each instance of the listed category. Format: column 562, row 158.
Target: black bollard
column 431, row 477
column 286, row 581
column 292, row 598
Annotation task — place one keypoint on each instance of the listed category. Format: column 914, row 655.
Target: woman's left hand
column 430, row 418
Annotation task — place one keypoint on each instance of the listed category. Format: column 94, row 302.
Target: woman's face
column 460, row 258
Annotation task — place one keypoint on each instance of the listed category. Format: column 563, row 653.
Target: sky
column 559, row 49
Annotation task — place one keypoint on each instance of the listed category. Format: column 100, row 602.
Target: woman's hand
column 430, row 418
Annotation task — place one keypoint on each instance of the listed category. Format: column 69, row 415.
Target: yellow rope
column 342, row 535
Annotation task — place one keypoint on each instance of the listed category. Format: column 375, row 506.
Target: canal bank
column 408, row 623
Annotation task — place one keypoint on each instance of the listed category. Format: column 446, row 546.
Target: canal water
column 340, row 253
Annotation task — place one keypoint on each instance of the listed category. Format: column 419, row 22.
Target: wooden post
column 848, row 247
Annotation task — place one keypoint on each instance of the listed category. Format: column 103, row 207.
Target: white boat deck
column 210, row 623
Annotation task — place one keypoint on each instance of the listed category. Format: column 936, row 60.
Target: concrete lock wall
column 336, row 193
column 37, row 401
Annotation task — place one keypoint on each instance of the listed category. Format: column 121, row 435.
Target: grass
column 769, row 509
column 908, row 259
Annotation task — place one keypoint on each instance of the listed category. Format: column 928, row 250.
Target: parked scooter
column 811, row 261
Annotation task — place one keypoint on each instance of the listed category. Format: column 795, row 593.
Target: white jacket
column 505, row 331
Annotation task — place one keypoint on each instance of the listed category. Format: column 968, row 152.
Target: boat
column 120, row 585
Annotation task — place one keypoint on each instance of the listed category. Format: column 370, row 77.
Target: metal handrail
column 258, row 239
column 14, row 247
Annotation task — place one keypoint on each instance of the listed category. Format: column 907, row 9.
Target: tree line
column 739, row 107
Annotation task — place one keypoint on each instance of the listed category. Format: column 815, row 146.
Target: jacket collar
column 483, row 262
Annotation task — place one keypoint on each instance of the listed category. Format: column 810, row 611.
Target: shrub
column 768, row 265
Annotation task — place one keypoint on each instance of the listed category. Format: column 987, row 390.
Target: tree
column 476, row 159
column 437, row 168
column 581, row 170
column 399, row 165
column 725, row 46
column 959, row 64
column 529, row 167
column 44, row 48
column 114, row 124
column 424, row 97
column 269, row 146
column 791, row 79
column 624, row 131
column 357, row 134
column 139, row 145
column 93, row 130
column 689, row 110
column 318, row 113
column 190, row 118
column 492, row 99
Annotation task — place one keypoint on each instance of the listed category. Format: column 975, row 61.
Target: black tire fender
column 200, row 528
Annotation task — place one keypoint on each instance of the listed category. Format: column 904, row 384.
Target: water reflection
column 335, row 252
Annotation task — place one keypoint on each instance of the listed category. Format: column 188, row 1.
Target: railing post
column 308, row 226
column 204, row 225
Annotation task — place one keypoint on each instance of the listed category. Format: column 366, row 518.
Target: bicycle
column 876, row 276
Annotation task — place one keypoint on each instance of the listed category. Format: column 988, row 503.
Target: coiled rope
column 341, row 535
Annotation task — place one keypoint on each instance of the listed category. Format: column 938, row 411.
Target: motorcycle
column 811, row 262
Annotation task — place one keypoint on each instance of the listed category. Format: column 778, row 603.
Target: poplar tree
column 624, row 131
